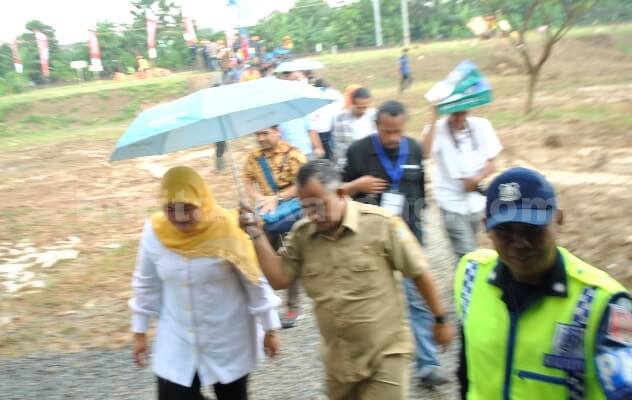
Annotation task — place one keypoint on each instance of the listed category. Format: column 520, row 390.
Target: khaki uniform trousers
column 390, row 381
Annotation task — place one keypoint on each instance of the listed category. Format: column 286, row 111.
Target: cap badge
column 509, row 191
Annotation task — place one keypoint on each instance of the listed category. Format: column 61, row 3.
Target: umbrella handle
column 233, row 167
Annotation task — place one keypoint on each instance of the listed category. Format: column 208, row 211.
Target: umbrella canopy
column 299, row 65
column 217, row 114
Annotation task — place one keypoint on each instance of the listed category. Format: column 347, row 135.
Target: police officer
column 346, row 254
column 538, row 322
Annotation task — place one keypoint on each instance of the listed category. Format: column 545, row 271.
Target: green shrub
column 14, row 83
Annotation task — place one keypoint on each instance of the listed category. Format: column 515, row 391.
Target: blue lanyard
column 393, row 169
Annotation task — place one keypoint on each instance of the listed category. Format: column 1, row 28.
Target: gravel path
column 295, row 375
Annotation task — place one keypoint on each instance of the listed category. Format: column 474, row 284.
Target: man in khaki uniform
column 349, row 256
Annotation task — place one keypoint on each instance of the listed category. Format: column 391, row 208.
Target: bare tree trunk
column 534, row 75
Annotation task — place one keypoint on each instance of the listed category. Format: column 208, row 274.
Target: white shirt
column 476, row 146
column 322, row 120
column 296, row 133
column 206, row 314
column 365, row 125
column 348, row 129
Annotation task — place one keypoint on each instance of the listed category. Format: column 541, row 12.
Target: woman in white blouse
column 197, row 273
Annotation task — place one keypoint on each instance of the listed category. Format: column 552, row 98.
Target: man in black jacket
column 386, row 169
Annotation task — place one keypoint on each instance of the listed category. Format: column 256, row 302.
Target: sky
column 72, row 18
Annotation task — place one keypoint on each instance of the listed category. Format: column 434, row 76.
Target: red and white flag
column 93, row 45
column 189, row 32
column 42, row 47
column 17, row 63
column 152, row 25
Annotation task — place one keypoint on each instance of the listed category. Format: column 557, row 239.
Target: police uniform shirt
column 518, row 296
column 358, row 302
column 614, row 339
column 362, row 160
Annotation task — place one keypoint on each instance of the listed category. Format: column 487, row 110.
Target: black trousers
column 237, row 390
column 327, row 141
column 405, row 81
column 220, row 148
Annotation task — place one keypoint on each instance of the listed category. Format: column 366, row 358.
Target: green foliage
column 173, row 52
column 309, row 22
column 13, row 83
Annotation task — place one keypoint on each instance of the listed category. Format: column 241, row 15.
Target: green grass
column 612, row 115
column 504, row 118
column 125, row 101
column 16, row 140
column 625, row 47
column 65, row 92
column 600, row 29
column 34, row 119
column 465, row 47
column 6, row 108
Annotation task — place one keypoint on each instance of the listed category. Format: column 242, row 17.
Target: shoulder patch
column 400, row 228
column 620, row 321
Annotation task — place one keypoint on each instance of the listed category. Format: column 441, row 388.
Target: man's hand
column 443, row 334
column 470, row 184
column 319, row 152
column 248, row 221
column 271, row 344
column 370, row 184
column 268, row 204
column 140, row 349
column 435, row 114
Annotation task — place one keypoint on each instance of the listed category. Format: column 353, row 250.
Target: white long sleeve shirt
column 476, row 146
column 206, row 313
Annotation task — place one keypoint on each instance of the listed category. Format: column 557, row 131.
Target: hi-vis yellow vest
column 535, row 355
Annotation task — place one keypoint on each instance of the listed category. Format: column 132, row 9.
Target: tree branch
column 528, row 14
column 521, row 44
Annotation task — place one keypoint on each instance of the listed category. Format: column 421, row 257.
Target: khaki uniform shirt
column 284, row 162
column 352, row 280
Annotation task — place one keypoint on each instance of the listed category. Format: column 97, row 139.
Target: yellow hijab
column 217, row 234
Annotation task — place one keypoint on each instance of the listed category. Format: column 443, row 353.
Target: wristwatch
column 271, row 332
column 440, row 319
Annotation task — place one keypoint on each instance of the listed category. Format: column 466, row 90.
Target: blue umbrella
column 217, row 114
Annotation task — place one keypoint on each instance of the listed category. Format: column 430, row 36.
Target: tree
column 116, row 55
column 6, row 59
column 558, row 16
column 30, row 54
column 173, row 51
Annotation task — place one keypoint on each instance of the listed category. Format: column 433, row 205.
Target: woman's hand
column 140, row 349
column 271, row 344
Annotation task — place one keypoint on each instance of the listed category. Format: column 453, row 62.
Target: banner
column 232, row 23
column 42, row 47
column 189, row 32
column 152, row 24
column 245, row 44
column 95, row 52
column 17, row 63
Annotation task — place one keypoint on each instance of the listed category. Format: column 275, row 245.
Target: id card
column 393, row 202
